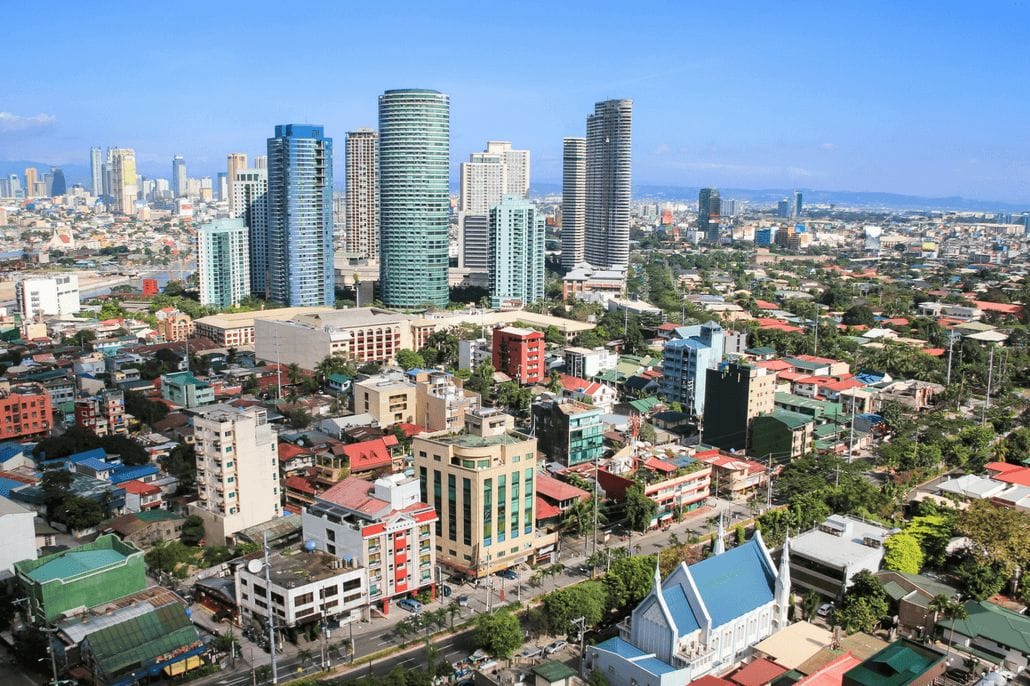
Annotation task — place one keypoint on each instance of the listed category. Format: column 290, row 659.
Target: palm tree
column 554, row 383
column 950, row 609
column 293, row 372
column 304, row 655
column 810, row 604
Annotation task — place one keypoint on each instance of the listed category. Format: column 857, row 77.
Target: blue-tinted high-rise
column 414, row 202
column 300, row 216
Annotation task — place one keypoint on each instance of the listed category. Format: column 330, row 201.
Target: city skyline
column 855, row 102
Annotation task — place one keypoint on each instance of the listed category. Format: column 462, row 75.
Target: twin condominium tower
column 397, row 207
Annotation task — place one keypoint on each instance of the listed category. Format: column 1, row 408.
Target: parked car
column 463, row 601
column 531, row 651
column 825, row 609
column 553, row 648
column 508, row 574
column 410, row 604
column 447, row 590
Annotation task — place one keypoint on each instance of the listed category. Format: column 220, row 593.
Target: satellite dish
column 254, row 566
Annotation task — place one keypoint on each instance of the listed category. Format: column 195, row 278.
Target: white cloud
column 662, row 149
column 827, row 146
column 16, row 122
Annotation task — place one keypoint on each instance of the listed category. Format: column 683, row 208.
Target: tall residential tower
column 300, row 216
column 235, row 162
column 180, row 186
column 223, row 262
column 96, row 172
column 123, row 179
column 608, row 183
column 361, row 203
column 414, row 202
column 516, row 252
column 250, row 203
column 573, row 201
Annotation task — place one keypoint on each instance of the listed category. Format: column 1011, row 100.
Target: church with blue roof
column 701, row 619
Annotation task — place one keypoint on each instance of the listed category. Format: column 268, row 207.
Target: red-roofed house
column 372, row 456
column 766, row 305
column 558, row 493
column 1009, row 473
column 1012, row 309
column 594, row 392
column 680, row 490
column 831, row 674
column 294, row 458
column 760, row 672
column 545, row 512
column 737, row 477
column 299, row 490
column 382, row 526
column 140, row 496
column 777, row 325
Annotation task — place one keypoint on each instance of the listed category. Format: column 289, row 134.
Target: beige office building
column 441, row 401
column 389, row 397
column 235, row 162
column 237, row 471
column 482, row 484
column 363, row 334
column 236, row 329
column 123, row 179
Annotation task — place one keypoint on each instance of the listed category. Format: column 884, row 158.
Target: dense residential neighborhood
column 729, row 464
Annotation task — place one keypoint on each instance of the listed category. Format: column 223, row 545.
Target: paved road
column 378, row 634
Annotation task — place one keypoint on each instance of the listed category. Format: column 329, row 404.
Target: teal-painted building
column 89, row 575
column 182, row 388
column 516, row 262
column 223, row 262
column 569, row 432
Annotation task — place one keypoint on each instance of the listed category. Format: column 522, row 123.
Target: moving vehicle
column 825, row 609
column 410, row 604
column 508, row 574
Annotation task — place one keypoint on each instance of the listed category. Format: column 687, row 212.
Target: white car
column 553, row 648
column 825, row 609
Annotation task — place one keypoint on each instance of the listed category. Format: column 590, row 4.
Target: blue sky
column 921, row 98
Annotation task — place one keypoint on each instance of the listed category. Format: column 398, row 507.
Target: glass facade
column 223, row 262
column 300, row 216
column 414, row 202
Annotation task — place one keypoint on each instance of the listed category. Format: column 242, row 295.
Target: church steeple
column 782, row 590
column 719, row 545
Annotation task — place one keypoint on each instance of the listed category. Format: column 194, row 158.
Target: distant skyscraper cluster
column 603, row 188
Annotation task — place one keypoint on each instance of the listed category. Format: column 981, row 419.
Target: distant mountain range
column 79, row 173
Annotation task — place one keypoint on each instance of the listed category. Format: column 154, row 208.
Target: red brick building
column 519, row 353
column 25, row 411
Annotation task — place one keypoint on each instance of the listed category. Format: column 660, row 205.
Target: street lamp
column 254, row 567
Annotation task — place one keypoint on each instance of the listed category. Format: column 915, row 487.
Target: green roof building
column 819, row 410
column 902, row 663
column 82, row 577
column 990, row 632
column 182, row 388
column 782, row 434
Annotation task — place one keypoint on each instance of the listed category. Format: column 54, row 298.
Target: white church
column 702, row 619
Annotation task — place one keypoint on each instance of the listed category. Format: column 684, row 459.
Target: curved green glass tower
column 414, row 202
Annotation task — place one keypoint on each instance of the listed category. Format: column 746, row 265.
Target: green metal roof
column 553, row 671
column 139, row 640
column 75, row 563
column 987, row 620
column 157, row 516
column 793, row 420
column 899, row 664
column 645, row 405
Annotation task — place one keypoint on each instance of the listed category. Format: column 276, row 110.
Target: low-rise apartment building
column 382, row 526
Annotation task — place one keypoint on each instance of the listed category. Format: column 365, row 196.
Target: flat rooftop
column 235, row 320
column 473, row 441
column 298, row 567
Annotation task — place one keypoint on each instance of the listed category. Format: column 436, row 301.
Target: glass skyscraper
column 223, row 262
column 300, row 216
column 414, row 203
column 608, row 183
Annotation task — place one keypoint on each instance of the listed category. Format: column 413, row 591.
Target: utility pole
column 951, row 342
column 851, row 431
column 596, row 467
column 768, row 486
column 815, row 346
column 271, row 609
column 580, row 624
column 990, row 378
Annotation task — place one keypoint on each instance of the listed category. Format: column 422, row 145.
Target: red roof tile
column 757, row 673
column 557, row 490
column 369, row 455
column 137, row 487
column 545, row 510
column 766, row 305
column 288, row 451
column 1004, row 308
column 300, row 484
column 659, row 465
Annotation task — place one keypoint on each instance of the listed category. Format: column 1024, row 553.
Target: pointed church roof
column 736, row 582
column 719, row 546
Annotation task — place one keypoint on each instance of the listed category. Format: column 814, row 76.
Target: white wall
column 19, row 536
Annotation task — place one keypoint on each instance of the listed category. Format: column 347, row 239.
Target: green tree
column 948, row 608
column 980, row 578
column 864, row 604
column 81, row 513
column 499, row 633
column 482, row 382
column 192, row 530
column 903, row 553
column 588, row 600
column 859, row 315
column 1000, row 533
column 56, row 487
column 629, row 580
column 409, row 359
column 639, row 509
